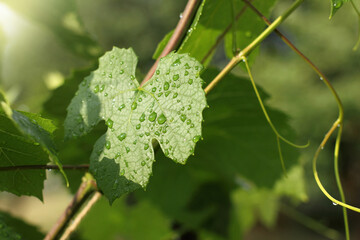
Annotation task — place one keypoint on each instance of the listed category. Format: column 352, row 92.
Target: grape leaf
column 24, row 142
column 167, row 108
column 14, row 229
column 238, row 139
column 335, row 6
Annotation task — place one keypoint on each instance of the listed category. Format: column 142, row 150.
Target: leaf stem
column 178, row 34
column 71, row 228
column 87, row 187
column 47, row 167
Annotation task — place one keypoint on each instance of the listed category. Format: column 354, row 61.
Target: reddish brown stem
column 48, row 167
column 178, row 34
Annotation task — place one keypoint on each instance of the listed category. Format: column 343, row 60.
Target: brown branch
column 48, row 167
column 74, row 224
column 222, row 35
column 178, row 34
column 87, row 187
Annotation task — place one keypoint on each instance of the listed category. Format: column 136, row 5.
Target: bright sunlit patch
column 53, row 80
column 7, row 20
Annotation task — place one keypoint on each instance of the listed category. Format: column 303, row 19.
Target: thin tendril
column 264, row 110
column 278, row 136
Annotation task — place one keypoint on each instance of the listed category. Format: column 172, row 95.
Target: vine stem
column 358, row 14
column 337, row 123
column 87, row 187
column 71, row 228
column 247, row 50
column 47, row 167
column 178, row 34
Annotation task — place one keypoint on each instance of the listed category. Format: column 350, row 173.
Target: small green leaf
column 335, row 6
column 24, row 142
column 167, row 108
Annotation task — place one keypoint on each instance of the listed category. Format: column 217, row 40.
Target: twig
column 247, row 50
column 86, row 188
column 179, row 32
column 49, row 167
column 71, row 228
column 222, row 35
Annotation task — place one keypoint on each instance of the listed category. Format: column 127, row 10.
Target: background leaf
column 14, row 229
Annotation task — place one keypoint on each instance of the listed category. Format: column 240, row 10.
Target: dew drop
column 147, row 133
column 121, row 71
column 192, row 125
column 188, row 122
column 146, row 147
column 335, row 204
column 143, row 163
column 96, row 89
column 152, row 116
column 138, row 126
column 166, row 152
column 167, row 93
column 122, row 172
column 108, row 144
column 190, row 81
column 127, row 149
column 176, row 77
column 196, row 138
column 175, row 95
column 186, row 73
column 110, row 75
column 183, row 117
column 122, row 136
column 133, row 105
column 122, row 106
column 181, row 15
column 132, row 77
column 157, row 72
column 321, row 79
column 166, row 86
column 153, row 89
column 142, row 117
column 161, row 119
column 109, row 123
